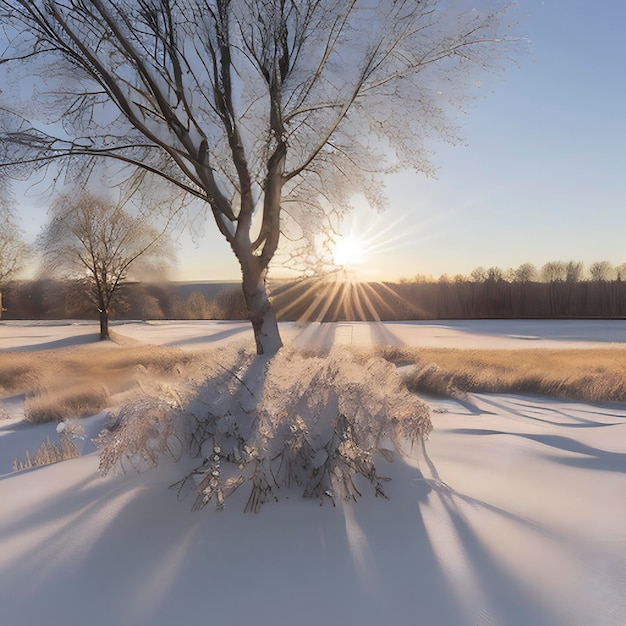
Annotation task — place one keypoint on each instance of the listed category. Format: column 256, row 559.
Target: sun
column 349, row 251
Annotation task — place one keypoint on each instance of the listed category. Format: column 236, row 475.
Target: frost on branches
column 292, row 421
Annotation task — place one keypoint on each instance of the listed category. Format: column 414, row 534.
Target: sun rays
column 340, row 296
column 343, row 291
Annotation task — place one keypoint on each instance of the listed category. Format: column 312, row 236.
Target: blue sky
column 541, row 174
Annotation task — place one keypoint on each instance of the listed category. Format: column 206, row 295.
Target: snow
column 513, row 514
column 465, row 334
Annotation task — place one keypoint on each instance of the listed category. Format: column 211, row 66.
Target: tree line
column 550, row 292
column 556, row 290
column 598, row 291
column 49, row 299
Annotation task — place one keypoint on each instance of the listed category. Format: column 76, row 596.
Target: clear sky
column 541, row 175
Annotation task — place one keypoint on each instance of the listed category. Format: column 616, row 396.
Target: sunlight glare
column 349, row 251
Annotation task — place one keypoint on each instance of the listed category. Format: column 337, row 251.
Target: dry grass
column 49, row 452
column 82, row 381
column 590, row 374
column 22, row 371
column 55, row 405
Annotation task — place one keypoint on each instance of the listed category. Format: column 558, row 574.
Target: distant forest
column 559, row 290
column 55, row 299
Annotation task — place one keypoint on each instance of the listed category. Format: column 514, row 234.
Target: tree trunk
column 104, row 324
column 261, row 313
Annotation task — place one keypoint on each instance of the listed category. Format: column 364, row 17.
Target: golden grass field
column 82, row 381
column 592, row 375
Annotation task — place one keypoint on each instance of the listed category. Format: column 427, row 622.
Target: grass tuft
column 49, row 452
column 59, row 404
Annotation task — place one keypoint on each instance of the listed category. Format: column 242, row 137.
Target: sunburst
column 344, row 290
column 349, row 251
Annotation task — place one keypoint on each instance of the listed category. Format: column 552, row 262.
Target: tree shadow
column 224, row 334
column 522, row 407
column 317, row 336
column 609, row 331
column 505, row 599
column 381, row 334
column 67, row 342
column 55, row 571
column 591, row 457
column 606, row 409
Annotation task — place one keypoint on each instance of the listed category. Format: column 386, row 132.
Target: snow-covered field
column 514, row 512
column 465, row 334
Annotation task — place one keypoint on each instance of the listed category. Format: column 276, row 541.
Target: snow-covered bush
column 157, row 418
column 293, row 421
column 71, row 429
column 139, row 434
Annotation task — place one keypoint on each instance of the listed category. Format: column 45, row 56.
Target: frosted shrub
column 312, row 423
column 292, row 421
column 140, row 434
column 159, row 421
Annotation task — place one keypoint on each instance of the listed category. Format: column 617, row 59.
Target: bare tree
column 98, row 240
column 524, row 273
column 13, row 250
column 554, row 272
column 268, row 109
column 495, row 275
column 601, row 271
column 573, row 271
column 478, row 274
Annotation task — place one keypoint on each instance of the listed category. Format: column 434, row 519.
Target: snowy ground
column 465, row 334
column 513, row 514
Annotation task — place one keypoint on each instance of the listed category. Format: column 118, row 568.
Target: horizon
column 355, row 277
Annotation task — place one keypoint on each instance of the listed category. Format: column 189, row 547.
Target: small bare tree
column 525, row 273
column 478, row 275
column 573, row 271
column 13, row 250
column 554, row 272
column 601, row 271
column 495, row 275
column 98, row 240
column 268, row 109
